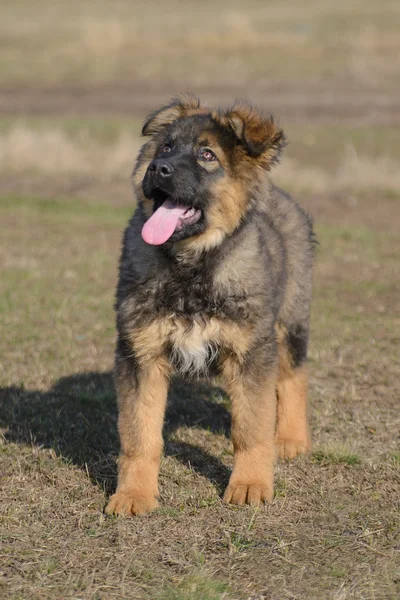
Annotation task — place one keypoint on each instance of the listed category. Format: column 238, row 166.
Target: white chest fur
column 194, row 347
column 191, row 345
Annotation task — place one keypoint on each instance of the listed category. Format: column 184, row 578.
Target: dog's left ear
column 178, row 107
column 259, row 135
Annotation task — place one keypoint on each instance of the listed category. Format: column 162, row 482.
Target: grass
column 335, row 458
column 77, row 80
column 195, row 588
column 102, row 129
column 307, row 142
column 71, row 211
column 191, row 44
column 353, row 173
column 75, row 149
column 63, row 154
column 59, row 444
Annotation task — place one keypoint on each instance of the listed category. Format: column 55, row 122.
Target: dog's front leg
column 253, row 398
column 141, row 401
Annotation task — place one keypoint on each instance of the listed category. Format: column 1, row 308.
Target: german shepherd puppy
column 215, row 283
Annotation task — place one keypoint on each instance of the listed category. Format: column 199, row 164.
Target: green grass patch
column 340, row 238
column 337, row 572
column 239, row 542
column 196, row 587
column 338, row 457
column 71, row 210
column 101, row 129
column 394, row 457
column 359, row 244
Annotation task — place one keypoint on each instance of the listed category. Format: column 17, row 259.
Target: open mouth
column 168, row 218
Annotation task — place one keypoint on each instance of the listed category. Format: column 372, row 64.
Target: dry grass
column 193, row 43
column 354, row 173
column 332, row 531
column 54, row 153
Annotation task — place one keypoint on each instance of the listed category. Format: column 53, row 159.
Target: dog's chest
column 195, row 324
column 195, row 298
column 194, row 346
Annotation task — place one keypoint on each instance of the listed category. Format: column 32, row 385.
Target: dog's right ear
column 179, row 107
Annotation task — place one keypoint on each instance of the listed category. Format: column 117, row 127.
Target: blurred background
column 77, row 78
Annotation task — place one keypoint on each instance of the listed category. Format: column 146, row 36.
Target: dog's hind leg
column 142, row 398
column 292, row 433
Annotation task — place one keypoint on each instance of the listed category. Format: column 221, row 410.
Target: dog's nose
column 161, row 167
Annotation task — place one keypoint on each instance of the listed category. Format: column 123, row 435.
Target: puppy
column 214, row 283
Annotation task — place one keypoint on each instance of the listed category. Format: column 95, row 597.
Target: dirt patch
column 312, row 100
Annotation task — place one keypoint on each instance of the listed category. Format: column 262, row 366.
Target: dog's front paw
column 131, row 503
column 248, row 493
column 287, row 448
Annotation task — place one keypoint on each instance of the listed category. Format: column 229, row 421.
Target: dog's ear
column 178, row 107
column 259, row 135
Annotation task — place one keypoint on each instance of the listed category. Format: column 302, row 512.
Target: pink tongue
column 162, row 224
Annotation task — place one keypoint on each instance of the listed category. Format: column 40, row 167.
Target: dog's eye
column 207, row 155
column 167, row 148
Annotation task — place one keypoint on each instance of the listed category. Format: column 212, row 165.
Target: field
column 76, row 80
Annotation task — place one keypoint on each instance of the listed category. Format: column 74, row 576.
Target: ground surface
column 69, row 120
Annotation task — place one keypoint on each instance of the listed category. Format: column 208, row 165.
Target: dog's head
column 196, row 175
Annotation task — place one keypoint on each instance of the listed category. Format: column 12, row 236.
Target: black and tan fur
column 228, row 301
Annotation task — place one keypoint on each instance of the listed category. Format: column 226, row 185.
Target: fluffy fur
column 226, row 298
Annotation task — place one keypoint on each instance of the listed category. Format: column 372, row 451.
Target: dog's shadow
column 77, row 417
